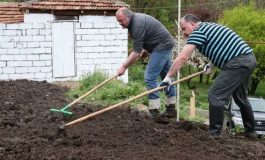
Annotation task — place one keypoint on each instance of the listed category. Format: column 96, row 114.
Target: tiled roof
column 74, row 5
column 10, row 13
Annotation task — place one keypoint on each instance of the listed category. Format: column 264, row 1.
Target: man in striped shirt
column 227, row 51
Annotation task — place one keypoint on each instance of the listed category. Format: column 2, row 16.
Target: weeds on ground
column 112, row 92
column 116, row 91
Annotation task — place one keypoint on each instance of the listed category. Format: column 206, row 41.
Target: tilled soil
column 29, row 131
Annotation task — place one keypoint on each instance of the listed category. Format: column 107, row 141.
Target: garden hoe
column 64, row 109
column 62, row 127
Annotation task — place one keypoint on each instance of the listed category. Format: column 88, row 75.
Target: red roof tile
column 10, row 13
column 74, row 5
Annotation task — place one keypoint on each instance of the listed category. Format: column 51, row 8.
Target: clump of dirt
column 29, row 131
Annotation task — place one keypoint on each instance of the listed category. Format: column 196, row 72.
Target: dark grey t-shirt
column 149, row 34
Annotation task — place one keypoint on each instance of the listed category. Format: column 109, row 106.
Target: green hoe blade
column 63, row 110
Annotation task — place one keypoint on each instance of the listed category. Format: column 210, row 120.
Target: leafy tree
column 160, row 9
column 249, row 23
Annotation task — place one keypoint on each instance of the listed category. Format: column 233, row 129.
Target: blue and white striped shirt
column 218, row 43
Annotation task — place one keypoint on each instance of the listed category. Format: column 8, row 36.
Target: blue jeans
column 158, row 65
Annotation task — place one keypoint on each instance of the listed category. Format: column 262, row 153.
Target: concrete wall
column 26, row 48
column 38, row 17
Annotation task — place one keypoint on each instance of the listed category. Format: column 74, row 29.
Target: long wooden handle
column 92, row 90
column 129, row 100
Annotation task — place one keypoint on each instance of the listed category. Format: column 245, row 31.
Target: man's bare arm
column 133, row 57
column 181, row 59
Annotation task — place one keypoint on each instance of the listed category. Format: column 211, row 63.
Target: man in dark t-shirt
column 227, row 51
column 148, row 34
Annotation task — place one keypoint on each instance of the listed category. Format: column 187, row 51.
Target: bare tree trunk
column 189, row 84
column 208, row 79
column 253, row 86
column 201, row 78
column 215, row 74
column 260, row 4
column 246, row 2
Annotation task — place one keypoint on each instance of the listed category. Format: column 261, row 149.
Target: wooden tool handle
column 129, row 100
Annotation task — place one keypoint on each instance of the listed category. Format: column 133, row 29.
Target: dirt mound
column 29, row 131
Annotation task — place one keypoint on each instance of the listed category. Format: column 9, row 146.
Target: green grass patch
column 116, row 91
column 112, row 92
column 184, row 114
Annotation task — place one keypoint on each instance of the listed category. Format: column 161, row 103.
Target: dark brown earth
column 29, row 131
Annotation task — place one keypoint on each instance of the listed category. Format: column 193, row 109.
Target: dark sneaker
column 170, row 111
column 252, row 135
column 157, row 118
column 160, row 119
column 170, row 114
column 215, row 135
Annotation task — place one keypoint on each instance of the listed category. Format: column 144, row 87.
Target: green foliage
column 201, row 93
column 164, row 18
column 259, row 51
column 184, row 114
column 260, row 90
column 136, row 73
column 115, row 91
column 250, row 27
column 238, row 129
column 160, row 9
column 111, row 93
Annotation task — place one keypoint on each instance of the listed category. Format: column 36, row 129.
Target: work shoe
column 252, row 135
column 214, row 135
column 170, row 111
column 157, row 118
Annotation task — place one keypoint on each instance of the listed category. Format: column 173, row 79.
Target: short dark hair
column 191, row 18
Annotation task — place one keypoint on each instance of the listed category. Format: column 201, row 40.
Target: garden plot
column 29, row 131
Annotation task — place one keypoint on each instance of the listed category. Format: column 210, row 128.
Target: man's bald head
column 188, row 23
column 123, row 16
column 125, row 11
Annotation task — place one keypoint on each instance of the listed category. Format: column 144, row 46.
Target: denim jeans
column 158, row 65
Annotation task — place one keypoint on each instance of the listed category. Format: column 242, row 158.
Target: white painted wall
column 101, row 44
column 26, row 49
column 38, row 17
